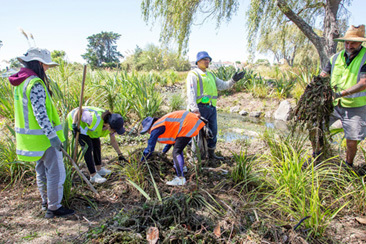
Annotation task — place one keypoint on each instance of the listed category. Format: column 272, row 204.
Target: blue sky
column 65, row 25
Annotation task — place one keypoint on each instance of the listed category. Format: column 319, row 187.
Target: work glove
column 336, row 95
column 238, row 76
column 75, row 129
column 56, row 143
column 121, row 158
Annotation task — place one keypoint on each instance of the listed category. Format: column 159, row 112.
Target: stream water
column 236, row 127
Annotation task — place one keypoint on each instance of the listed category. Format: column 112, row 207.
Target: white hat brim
column 23, row 59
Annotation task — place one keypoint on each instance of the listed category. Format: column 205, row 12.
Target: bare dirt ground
column 22, row 221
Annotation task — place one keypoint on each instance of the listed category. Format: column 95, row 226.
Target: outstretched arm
column 192, row 93
column 114, row 143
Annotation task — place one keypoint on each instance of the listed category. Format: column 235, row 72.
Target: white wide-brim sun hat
column 35, row 53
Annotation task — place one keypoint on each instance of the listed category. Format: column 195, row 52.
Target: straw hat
column 354, row 34
column 35, row 53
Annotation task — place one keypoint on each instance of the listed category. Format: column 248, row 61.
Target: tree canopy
column 263, row 16
column 287, row 42
column 102, row 50
column 176, row 16
column 58, row 56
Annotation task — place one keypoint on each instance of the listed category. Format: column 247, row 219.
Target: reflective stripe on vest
column 95, row 129
column 180, row 121
column 96, row 124
column 201, row 93
column 34, row 132
column 26, row 129
column 30, row 153
column 358, row 94
column 195, row 127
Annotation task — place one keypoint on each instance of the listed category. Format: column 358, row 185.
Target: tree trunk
column 324, row 45
column 331, row 30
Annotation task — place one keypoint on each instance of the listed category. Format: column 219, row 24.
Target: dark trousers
column 92, row 155
column 209, row 112
column 179, row 145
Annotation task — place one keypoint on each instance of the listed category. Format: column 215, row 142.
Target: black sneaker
column 61, row 212
column 44, row 207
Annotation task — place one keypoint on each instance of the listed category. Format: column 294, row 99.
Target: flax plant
column 284, row 84
column 243, row 173
column 134, row 172
column 299, row 192
column 224, row 73
column 12, row 171
column 176, row 102
column 6, row 99
column 145, row 99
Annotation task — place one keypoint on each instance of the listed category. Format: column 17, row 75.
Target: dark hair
column 37, row 68
column 106, row 116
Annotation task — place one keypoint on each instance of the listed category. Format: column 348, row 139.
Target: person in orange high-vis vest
column 176, row 128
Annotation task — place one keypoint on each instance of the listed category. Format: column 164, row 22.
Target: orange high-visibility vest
column 178, row 124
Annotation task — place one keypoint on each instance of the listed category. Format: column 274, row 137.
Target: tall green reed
column 243, row 172
column 299, row 191
column 6, row 99
column 12, row 170
column 145, row 99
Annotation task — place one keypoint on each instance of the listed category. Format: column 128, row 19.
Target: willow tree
column 265, row 15
column 177, row 17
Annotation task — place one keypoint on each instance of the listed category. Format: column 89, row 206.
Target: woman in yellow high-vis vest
column 39, row 133
column 95, row 123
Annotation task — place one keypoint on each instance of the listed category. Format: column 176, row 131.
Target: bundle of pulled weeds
column 178, row 217
column 313, row 112
column 315, row 105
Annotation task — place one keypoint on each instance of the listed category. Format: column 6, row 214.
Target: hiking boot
column 44, row 207
column 61, row 212
column 212, row 155
column 97, row 179
column 103, row 171
column 177, row 181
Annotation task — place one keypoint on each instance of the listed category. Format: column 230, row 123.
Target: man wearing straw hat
column 347, row 70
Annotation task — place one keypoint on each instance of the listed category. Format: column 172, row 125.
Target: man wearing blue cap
column 202, row 87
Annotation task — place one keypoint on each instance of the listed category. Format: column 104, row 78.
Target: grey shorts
column 353, row 121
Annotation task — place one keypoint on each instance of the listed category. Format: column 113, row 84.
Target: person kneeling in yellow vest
column 95, row 123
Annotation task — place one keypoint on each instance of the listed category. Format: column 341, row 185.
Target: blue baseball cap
column 116, row 122
column 202, row 55
column 146, row 124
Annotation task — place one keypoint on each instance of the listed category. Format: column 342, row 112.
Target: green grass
column 13, row 171
column 298, row 191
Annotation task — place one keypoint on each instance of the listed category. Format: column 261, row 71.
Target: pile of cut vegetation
column 177, row 217
column 313, row 111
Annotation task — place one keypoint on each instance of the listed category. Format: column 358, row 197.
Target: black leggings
column 92, row 155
